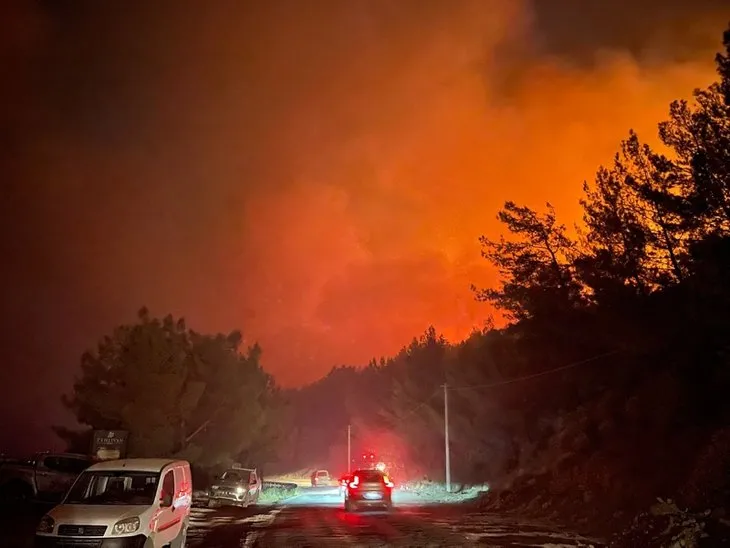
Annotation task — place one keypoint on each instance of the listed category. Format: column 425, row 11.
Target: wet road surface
column 302, row 526
column 316, row 518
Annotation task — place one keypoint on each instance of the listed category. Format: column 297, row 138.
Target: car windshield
column 114, row 487
column 369, row 476
column 233, row 477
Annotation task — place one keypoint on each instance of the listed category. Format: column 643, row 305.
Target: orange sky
column 316, row 178
column 377, row 237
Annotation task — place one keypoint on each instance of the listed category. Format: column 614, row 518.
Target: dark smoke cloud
column 673, row 30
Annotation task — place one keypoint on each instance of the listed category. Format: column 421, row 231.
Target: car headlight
column 239, row 490
column 129, row 525
column 46, row 525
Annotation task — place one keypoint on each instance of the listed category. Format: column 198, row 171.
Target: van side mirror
column 165, row 500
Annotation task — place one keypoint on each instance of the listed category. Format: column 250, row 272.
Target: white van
column 140, row 503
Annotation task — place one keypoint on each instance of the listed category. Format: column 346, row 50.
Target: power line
column 418, row 406
column 535, row 375
column 422, row 404
column 495, row 384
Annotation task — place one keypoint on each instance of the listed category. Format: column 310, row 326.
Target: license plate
column 372, row 496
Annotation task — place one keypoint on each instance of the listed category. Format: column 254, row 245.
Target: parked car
column 369, row 488
column 45, row 476
column 320, row 477
column 129, row 502
column 236, row 487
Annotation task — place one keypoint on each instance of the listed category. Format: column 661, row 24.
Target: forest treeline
column 630, row 317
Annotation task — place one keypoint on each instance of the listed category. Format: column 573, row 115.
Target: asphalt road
column 316, row 518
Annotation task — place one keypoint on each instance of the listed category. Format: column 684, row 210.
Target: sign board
column 109, row 444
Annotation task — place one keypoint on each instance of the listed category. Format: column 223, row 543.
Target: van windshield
column 114, row 487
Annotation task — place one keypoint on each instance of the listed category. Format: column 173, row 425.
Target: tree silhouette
column 178, row 392
column 536, row 268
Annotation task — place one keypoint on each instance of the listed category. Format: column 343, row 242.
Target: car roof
column 70, row 455
column 368, row 470
column 137, row 465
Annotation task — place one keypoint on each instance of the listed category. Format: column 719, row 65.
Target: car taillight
column 355, row 481
column 388, row 483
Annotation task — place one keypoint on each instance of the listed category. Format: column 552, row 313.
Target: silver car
column 235, row 487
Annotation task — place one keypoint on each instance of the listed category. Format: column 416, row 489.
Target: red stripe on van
column 168, row 524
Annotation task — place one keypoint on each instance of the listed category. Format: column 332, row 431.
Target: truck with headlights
column 237, row 486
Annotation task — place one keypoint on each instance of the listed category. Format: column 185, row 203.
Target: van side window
column 184, row 478
column 168, row 484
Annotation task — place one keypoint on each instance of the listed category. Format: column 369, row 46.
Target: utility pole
column 446, row 438
column 349, row 455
